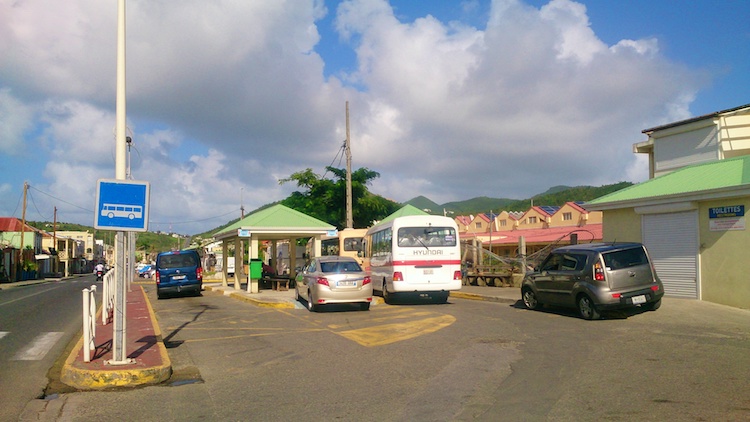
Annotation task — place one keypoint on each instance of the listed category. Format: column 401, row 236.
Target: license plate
column 428, row 271
column 346, row 283
column 179, row 277
column 639, row 299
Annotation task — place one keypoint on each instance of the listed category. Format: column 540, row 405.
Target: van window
column 178, row 261
column 626, row 258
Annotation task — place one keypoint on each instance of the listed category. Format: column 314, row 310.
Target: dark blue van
column 178, row 272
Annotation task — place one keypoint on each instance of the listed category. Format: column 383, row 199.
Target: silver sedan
column 333, row 279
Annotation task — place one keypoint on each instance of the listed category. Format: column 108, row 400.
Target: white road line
column 39, row 347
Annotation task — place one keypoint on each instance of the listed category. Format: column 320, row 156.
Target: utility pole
column 54, row 238
column 348, row 148
column 23, row 222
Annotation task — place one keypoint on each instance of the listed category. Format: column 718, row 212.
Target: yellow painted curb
column 96, row 379
column 262, row 304
column 473, row 296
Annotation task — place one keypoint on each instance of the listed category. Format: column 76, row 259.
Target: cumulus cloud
column 15, row 121
column 226, row 98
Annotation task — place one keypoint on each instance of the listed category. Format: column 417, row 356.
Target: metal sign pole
column 119, row 333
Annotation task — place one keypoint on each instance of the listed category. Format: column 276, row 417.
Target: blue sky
column 448, row 99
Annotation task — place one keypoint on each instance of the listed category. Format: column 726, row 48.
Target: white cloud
column 15, row 120
column 226, row 98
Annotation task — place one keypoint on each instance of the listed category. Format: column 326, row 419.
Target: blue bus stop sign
column 122, row 205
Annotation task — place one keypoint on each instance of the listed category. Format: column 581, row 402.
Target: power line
column 196, row 221
column 37, row 208
column 62, row 200
column 340, row 151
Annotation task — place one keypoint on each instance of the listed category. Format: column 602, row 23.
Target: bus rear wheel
column 387, row 297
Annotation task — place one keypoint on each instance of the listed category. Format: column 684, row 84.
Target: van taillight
column 199, row 273
column 156, row 274
column 598, row 272
column 457, row 275
column 366, row 280
column 397, row 276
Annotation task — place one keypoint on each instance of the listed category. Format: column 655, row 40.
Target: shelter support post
column 238, row 264
column 224, row 262
column 252, row 284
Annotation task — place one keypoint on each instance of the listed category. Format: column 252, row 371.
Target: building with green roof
column 274, row 224
column 692, row 220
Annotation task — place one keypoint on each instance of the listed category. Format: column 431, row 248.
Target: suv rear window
column 178, row 261
column 624, row 259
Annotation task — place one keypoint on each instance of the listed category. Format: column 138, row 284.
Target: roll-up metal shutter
column 672, row 242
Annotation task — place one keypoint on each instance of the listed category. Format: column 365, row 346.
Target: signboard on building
column 731, row 217
column 122, row 205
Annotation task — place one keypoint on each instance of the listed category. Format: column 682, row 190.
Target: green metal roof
column 277, row 218
column 699, row 178
column 407, row 209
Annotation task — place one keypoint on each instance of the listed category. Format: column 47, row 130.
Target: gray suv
column 594, row 277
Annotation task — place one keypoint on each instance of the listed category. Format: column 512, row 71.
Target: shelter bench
column 278, row 282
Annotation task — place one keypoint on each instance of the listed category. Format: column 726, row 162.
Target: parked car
column 178, row 272
column 594, row 277
column 146, row 271
column 333, row 279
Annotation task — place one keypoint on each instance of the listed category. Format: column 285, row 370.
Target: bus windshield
column 426, row 237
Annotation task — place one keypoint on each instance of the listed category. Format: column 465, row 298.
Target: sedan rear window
column 625, row 258
column 340, row 267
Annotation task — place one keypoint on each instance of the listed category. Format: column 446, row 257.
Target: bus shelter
column 274, row 224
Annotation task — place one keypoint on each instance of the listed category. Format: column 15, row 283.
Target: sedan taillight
column 366, row 280
column 323, row 281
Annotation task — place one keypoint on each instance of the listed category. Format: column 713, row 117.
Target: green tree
column 325, row 199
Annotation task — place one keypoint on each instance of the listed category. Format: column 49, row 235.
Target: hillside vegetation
column 555, row 196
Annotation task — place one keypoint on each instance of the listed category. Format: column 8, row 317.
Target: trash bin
column 256, row 269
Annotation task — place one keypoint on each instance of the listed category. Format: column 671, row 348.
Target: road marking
column 39, row 347
column 380, row 335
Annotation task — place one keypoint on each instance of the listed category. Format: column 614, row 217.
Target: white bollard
column 89, row 322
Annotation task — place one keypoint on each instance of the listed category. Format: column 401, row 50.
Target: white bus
column 419, row 254
column 122, row 210
column 348, row 242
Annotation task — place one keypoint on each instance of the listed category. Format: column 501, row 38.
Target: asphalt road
column 467, row 360
column 36, row 324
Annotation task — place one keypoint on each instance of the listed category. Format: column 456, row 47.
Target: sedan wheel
column 310, row 302
column 587, row 309
column 529, row 299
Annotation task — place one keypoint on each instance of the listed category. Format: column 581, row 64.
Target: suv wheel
column 529, row 299
column 587, row 309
